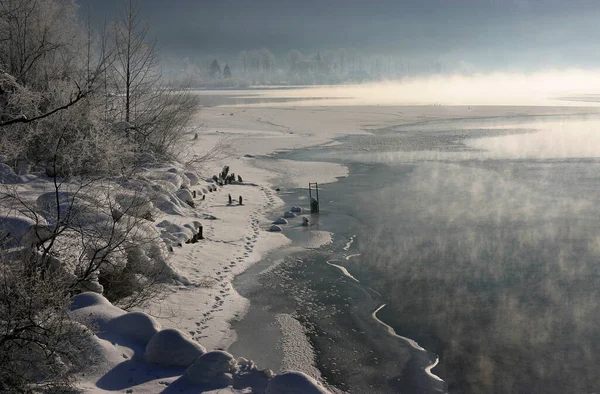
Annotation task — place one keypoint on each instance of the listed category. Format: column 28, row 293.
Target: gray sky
column 489, row 34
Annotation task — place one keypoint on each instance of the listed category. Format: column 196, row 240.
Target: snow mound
column 81, row 209
column 88, row 299
column 134, row 326
column 174, row 234
column 7, row 175
column 280, row 221
column 211, row 367
column 36, row 234
column 169, row 180
column 275, row 228
column 289, row 215
column 296, row 209
column 294, row 383
column 193, row 177
column 134, row 204
column 172, row 348
column 147, row 159
column 13, row 229
column 93, row 308
column 99, row 354
column 185, row 195
column 167, row 202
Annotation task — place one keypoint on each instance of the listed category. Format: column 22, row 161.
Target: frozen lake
column 481, row 236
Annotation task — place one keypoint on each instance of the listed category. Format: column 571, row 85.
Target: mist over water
column 570, row 87
column 483, row 238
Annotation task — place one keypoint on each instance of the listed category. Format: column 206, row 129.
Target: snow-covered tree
column 157, row 117
column 136, row 68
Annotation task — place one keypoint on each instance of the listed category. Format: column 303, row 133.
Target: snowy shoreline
column 236, row 237
column 261, row 132
column 203, row 303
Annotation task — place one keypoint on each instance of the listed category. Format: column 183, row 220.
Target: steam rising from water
column 557, row 87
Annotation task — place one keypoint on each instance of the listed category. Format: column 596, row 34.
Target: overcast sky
column 489, row 34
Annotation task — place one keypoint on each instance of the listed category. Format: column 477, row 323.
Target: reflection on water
column 486, row 251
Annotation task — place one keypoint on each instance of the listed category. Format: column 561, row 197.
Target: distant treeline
column 329, row 67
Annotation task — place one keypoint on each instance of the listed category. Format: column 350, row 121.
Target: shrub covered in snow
column 38, row 342
column 172, row 348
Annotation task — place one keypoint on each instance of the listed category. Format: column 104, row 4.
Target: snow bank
column 172, row 348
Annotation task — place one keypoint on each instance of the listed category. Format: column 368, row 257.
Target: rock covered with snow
column 137, row 327
column 275, row 228
column 289, row 215
column 211, row 367
column 172, row 348
column 280, row 221
column 294, row 383
column 296, row 209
